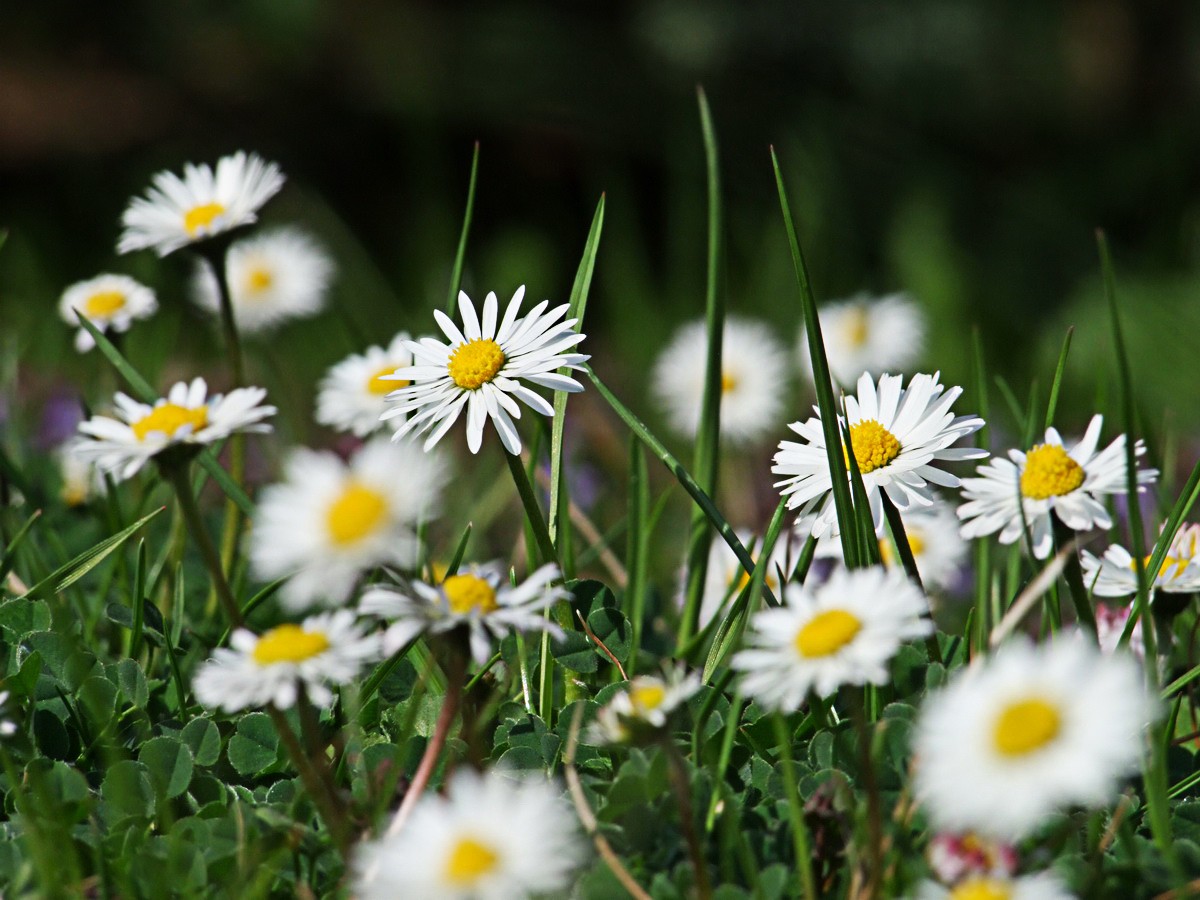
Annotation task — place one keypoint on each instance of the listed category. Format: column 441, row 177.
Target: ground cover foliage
column 125, row 775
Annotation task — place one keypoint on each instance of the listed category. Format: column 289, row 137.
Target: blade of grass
column 637, row 553
column 9, row 559
column 1052, row 405
column 139, row 593
column 461, row 253
column 459, row 552
column 981, row 549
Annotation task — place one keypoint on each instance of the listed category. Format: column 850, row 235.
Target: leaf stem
column 795, row 807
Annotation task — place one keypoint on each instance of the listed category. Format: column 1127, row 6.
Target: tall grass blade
column 460, row 254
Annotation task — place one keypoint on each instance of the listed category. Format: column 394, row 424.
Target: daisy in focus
column 272, row 277
column 1049, row 478
column 187, row 416
column 330, row 521
column 899, row 436
column 1115, row 575
column 843, row 632
column 1041, row 886
column 754, row 373
column 491, row 838
column 351, row 395
column 867, row 335
column 326, row 649
column 178, row 211
column 483, row 370
column 479, row 599
column 110, row 302
column 725, row 577
column 643, row 709
column 1028, row 732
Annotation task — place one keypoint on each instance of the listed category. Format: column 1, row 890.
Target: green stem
column 677, row 771
column 795, row 807
column 871, row 787
column 1073, row 574
column 533, row 513
column 318, row 789
column 909, row 561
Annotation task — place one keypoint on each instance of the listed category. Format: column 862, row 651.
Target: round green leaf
column 203, row 739
column 128, row 790
column 169, row 762
column 254, row 746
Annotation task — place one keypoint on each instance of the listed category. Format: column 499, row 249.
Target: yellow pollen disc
column 169, row 418
column 467, row 592
column 103, row 303
column 769, row 581
column 289, row 643
column 728, row 383
column 469, row 861
column 826, row 633
column 201, row 217
column 1025, row 726
column 874, row 446
column 1049, row 472
column 915, row 544
column 258, row 280
column 981, row 889
column 355, row 514
column 377, row 385
column 475, row 363
column 648, row 695
column 856, row 327
column 1168, row 563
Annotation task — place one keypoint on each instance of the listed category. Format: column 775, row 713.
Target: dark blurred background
column 962, row 152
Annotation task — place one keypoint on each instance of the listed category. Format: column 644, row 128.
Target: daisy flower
column 483, row 369
column 490, row 838
column 480, row 599
column 643, row 709
column 954, row 857
column 272, row 277
column 1041, row 886
column 867, row 335
column 7, row 726
column 898, row 434
column 843, row 632
column 1027, row 732
column 331, row 521
column 1110, row 625
column 179, row 211
column 754, row 368
column 725, row 577
column 259, row 669
column 186, row 416
column 1115, row 575
column 1071, row 483
column 110, row 302
column 351, row 395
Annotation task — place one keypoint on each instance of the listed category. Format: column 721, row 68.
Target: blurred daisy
column 81, row 480
column 479, row 599
column 7, row 726
column 110, row 302
column 482, row 369
column 491, row 838
column 1027, row 732
column 643, row 709
column 898, row 434
column 1116, row 574
column 273, row 277
column 1048, row 478
column 843, row 632
column 1041, row 886
column 179, row 211
column 867, row 335
column 331, row 521
column 186, row 416
column 259, row 669
column 1110, row 625
column 754, row 372
column 351, row 395
column 954, row 857
column 725, row 577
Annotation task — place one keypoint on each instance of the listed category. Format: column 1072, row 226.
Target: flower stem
column 317, row 786
column 871, row 786
column 677, row 771
column 1074, row 576
column 533, row 512
column 795, row 808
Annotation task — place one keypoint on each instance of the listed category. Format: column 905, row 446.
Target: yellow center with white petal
column 202, row 216
column 729, row 383
column 289, row 644
column 103, row 303
column 169, row 418
column 356, row 513
column 469, row 861
column 1168, row 563
column 857, row 331
column 1025, row 726
column 475, row 363
column 259, row 279
column 469, row 592
column 916, row 543
column 647, row 694
column 1049, row 472
column 768, row 579
column 874, row 446
column 981, row 889
column 826, row 633
column 378, row 385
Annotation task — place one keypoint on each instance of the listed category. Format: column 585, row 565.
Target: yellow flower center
column 475, row 363
column 981, row 889
column 169, row 418
column 258, row 280
column 1025, row 726
column 103, row 303
column 202, row 216
column 469, row 861
column 468, row 592
column 647, row 694
column 874, row 446
column 856, row 327
column 826, row 633
column 1049, row 472
column 728, row 383
column 1169, row 562
column 377, row 385
column 289, row 644
column 355, row 514
column 915, row 543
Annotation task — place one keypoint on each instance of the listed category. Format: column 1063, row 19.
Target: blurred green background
column 962, row 152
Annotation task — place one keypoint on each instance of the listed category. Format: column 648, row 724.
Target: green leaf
column 127, row 790
column 576, row 652
column 255, row 745
column 22, row 617
column 612, row 628
column 169, row 764
column 203, row 739
column 132, row 681
column 517, row 759
column 98, row 697
column 461, row 253
column 50, row 735
column 66, row 661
